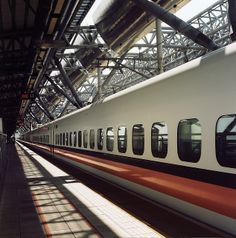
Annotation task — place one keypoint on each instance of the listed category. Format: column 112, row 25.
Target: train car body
column 183, row 122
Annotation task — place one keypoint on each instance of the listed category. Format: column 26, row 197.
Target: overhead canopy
column 123, row 23
column 21, row 23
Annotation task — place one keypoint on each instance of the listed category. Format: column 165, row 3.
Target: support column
column 63, row 110
column 1, row 125
column 232, row 18
column 67, row 82
column 159, row 46
column 61, row 91
column 99, row 83
column 43, row 108
column 178, row 24
column 32, row 114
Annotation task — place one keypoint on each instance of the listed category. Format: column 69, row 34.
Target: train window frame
column 75, row 138
column 185, row 149
column 60, row 138
column 136, row 142
column 67, row 139
column 100, row 138
column 222, row 145
column 79, row 138
column 64, row 138
column 70, row 139
column 85, row 138
column 110, row 139
column 122, row 139
column 159, row 139
column 92, row 138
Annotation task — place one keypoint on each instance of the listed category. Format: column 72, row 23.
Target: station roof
column 24, row 25
column 21, row 24
column 27, row 28
column 34, row 37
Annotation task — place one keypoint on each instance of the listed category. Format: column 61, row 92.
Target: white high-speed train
column 180, row 124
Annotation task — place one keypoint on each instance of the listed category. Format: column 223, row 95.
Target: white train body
column 203, row 89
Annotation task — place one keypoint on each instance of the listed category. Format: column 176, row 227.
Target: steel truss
column 110, row 73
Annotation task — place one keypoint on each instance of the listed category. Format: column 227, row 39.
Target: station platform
column 40, row 200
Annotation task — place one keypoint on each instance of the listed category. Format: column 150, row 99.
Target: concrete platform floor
column 39, row 200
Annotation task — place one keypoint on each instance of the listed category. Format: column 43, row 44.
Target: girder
column 91, row 66
column 177, row 24
column 232, row 17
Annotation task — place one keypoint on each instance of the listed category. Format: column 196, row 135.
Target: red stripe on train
column 213, row 197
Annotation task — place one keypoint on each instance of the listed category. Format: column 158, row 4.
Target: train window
column 138, row 139
column 159, row 137
column 226, row 140
column 189, row 140
column 67, row 139
column 75, row 138
column 122, row 139
column 70, row 139
column 85, row 138
column 100, row 139
column 60, row 138
column 92, row 138
column 110, row 139
column 64, row 139
column 79, row 138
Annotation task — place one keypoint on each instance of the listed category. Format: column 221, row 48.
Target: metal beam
column 33, row 116
column 178, row 24
column 61, row 91
column 65, row 107
column 28, row 5
column 43, row 108
column 67, row 82
column 16, row 34
column 159, row 47
column 62, row 45
column 125, row 66
column 232, row 18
